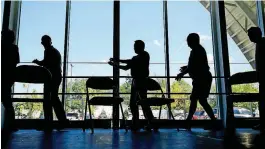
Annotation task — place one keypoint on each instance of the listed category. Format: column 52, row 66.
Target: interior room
column 87, row 74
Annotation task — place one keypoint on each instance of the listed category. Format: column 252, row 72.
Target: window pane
column 38, row 19
column 238, row 21
column 91, row 38
column 185, row 18
column 144, row 24
column 141, row 21
column 28, row 110
column 90, row 47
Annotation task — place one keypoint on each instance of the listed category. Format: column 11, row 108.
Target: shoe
column 213, row 126
column 48, row 130
column 188, row 125
column 135, row 129
column 156, row 129
column 63, row 124
column 147, row 128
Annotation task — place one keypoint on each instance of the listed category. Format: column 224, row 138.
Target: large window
column 91, row 32
column 185, row 18
column 37, row 19
column 240, row 16
column 90, row 47
column 142, row 21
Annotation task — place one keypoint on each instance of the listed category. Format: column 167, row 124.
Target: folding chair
column 36, row 75
column 240, row 78
column 100, row 83
column 152, row 85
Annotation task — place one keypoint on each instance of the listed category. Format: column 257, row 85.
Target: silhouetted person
column 139, row 66
column 198, row 70
column 52, row 61
column 255, row 35
column 10, row 55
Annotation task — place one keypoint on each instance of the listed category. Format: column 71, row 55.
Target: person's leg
column 56, row 103
column 9, row 109
column 148, row 114
column 193, row 107
column 207, row 108
column 134, row 107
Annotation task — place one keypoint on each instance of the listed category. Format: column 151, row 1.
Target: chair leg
column 170, row 112
column 160, row 112
column 91, row 119
column 84, row 125
column 123, row 117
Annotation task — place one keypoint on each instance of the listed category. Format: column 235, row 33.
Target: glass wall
column 145, row 24
column 91, row 46
column 185, row 18
column 37, row 19
column 240, row 16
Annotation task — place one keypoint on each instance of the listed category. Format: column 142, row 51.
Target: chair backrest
column 243, row 78
column 101, row 83
column 32, row 74
column 152, row 85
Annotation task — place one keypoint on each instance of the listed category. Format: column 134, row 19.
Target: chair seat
column 155, row 101
column 105, row 101
column 253, row 97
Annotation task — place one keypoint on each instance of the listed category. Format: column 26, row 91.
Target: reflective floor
column 108, row 139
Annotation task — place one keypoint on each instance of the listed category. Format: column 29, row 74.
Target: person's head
column 193, row 40
column 254, row 34
column 139, row 46
column 46, row 41
column 8, row 36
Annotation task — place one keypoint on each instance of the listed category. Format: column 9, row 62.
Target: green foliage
column 246, row 88
column 27, row 107
column 76, row 102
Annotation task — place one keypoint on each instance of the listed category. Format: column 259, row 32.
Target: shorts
column 201, row 87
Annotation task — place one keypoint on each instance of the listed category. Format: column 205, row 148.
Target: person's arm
column 184, row 70
column 126, row 61
column 126, row 67
column 42, row 62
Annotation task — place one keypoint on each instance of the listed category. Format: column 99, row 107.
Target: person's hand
column 179, row 76
column 35, row 61
column 112, row 63
column 183, row 68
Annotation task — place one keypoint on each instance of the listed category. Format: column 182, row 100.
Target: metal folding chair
column 36, row 75
column 100, row 83
column 240, row 78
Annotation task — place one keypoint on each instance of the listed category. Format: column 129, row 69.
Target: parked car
column 242, row 112
column 199, row 115
column 72, row 116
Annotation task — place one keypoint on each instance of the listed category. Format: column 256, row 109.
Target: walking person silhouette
column 255, row 35
column 52, row 61
column 139, row 66
column 198, row 69
column 10, row 59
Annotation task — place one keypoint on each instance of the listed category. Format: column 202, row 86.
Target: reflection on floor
column 106, row 138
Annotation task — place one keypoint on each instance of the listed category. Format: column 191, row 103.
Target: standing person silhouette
column 255, row 35
column 10, row 59
column 139, row 66
column 198, row 70
column 52, row 61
